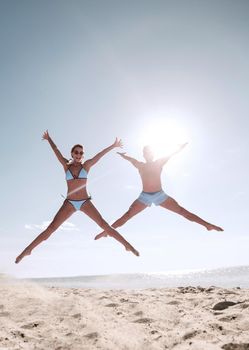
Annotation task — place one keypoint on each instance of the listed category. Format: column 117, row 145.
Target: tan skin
column 150, row 173
column 77, row 191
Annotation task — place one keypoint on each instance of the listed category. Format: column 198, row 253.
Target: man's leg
column 134, row 209
column 172, row 205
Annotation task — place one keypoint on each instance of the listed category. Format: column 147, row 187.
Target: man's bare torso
column 150, row 173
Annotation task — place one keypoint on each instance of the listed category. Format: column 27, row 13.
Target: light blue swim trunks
column 148, row 198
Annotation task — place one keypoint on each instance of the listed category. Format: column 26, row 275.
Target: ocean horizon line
column 156, row 273
column 230, row 277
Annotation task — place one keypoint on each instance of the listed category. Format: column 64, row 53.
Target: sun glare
column 164, row 136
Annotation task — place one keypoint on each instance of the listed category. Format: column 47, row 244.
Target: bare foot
column 135, row 252
column 210, row 227
column 129, row 248
column 22, row 255
column 100, row 235
column 120, row 239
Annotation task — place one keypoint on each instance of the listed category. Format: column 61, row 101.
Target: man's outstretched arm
column 164, row 160
column 133, row 161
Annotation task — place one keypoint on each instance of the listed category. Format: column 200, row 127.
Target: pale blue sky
column 92, row 70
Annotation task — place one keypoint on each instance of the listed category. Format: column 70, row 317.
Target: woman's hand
column 45, row 135
column 117, row 143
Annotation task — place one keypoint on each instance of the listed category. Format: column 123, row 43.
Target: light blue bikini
column 71, row 176
column 77, row 204
column 148, row 198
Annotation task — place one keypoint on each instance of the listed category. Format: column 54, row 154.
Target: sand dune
column 36, row 317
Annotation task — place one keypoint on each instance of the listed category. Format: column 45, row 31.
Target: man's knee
column 130, row 213
column 186, row 213
column 126, row 216
column 180, row 210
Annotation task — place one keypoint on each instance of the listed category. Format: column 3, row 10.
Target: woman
column 150, row 173
column 77, row 196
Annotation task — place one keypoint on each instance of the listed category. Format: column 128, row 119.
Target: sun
column 163, row 135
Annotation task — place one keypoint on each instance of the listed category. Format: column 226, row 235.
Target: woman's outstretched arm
column 58, row 154
column 90, row 162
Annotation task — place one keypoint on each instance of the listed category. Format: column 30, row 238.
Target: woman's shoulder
column 68, row 164
column 86, row 165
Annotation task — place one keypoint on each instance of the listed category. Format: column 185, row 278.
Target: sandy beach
column 37, row 317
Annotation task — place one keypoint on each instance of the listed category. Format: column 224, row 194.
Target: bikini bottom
column 77, row 204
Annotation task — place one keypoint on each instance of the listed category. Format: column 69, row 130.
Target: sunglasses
column 78, row 152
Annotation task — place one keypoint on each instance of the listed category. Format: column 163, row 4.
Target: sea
column 228, row 277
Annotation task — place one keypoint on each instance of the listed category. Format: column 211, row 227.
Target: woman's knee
column 51, row 228
column 45, row 235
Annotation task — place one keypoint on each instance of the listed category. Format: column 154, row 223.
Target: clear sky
column 89, row 71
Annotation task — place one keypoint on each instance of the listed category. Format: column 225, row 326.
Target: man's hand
column 122, row 154
column 183, row 145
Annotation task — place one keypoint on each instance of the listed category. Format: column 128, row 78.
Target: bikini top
column 71, row 176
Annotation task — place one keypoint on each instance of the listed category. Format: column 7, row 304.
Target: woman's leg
column 172, row 205
column 89, row 209
column 134, row 209
column 62, row 215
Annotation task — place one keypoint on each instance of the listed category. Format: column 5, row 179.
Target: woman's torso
column 76, row 177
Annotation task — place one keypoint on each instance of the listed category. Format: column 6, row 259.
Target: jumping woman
column 76, row 172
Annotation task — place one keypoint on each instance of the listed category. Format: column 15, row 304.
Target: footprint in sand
column 223, row 305
column 133, row 304
column 144, row 320
column 93, row 335
column 156, row 333
column 18, row 334
column 244, row 306
column 139, row 313
column 233, row 346
column 30, row 325
column 4, row 314
column 228, row 318
column 228, row 292
column 174, row 302
column 112, row 305
column 190, row 335
column 123, row 300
